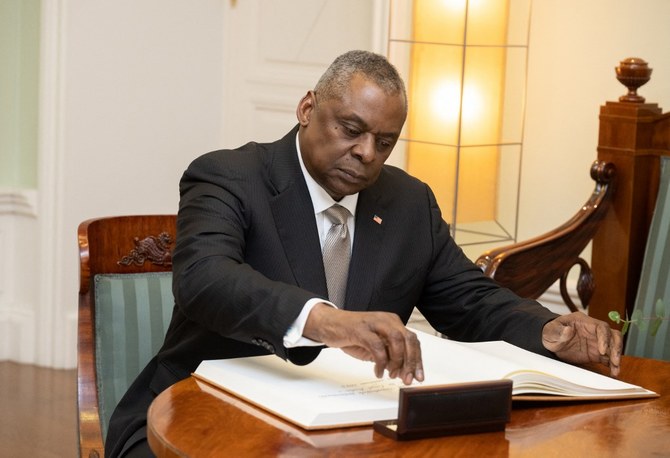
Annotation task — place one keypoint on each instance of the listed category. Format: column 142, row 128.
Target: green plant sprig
column 653, row 322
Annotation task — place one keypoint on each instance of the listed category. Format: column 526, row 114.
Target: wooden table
column 195, row 419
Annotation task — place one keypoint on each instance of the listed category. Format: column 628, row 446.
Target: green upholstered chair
column 654, row 280
column 125, row 305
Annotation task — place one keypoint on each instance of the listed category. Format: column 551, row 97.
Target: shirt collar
column 321, row 200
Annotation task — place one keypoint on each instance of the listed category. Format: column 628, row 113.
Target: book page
column 325, row 393
column 449, row 361
column 538, row 374
column 338, row 390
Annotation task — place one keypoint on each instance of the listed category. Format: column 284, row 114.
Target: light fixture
column 464, row 62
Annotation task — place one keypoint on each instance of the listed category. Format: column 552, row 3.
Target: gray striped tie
column 336, row 254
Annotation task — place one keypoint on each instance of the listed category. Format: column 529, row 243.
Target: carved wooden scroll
column 155, row 249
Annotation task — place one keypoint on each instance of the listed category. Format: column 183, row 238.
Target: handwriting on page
column 365, row 388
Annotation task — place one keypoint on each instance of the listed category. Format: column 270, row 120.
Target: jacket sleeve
column 461, row 302
column 213, row 283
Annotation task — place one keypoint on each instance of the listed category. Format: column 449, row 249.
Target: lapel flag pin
column 377, row 219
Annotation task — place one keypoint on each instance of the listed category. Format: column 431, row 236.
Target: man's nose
column 364, row 149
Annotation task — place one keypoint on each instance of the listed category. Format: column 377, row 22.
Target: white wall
column 574, row 47
column 131, row 92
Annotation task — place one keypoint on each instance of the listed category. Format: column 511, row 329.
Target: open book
column 337, row 390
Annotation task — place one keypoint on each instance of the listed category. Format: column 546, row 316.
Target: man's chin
column 339, row 192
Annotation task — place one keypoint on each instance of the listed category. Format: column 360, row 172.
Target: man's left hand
column 578, row 338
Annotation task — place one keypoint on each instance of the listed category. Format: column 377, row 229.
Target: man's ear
column 305, row 108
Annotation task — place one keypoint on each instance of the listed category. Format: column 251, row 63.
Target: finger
column 603, row 335
column 386, row 341
column 364, row 354
column 556, row 333
column 397, row 353
column 604, row 360
column 615, row 354
column 567, row 333
column 418, row 373
column 377, row 348
column 413, row 368
column 610, row 344
column 359, row 353
column 559, row 332
column 405, row 358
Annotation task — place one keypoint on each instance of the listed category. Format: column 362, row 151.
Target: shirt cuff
column 293, row 337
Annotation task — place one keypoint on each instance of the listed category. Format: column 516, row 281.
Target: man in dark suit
column 249, row 277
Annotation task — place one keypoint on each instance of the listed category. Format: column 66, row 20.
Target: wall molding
column 54, row 342
column 18, row 229
column 17, row 331
column 18, row 202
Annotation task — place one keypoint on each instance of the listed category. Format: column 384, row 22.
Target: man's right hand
column 379, row 337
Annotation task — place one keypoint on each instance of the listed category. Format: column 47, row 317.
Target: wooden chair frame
column 530, row 267
column 122, row 245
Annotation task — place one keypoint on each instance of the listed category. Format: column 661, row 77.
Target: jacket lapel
column 293, row 215
column 366, row 252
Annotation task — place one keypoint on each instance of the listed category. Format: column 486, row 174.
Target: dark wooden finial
column 632, row 72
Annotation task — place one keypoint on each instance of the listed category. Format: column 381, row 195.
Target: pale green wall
column 19, row 70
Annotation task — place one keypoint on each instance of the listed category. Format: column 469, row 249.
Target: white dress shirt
column 321, row 201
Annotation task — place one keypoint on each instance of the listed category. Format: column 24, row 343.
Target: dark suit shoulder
column 245, row 160
column 253, row 161
column 391, row 175
column 397, row 186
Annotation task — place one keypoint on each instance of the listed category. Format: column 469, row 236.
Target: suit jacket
column 248, row 257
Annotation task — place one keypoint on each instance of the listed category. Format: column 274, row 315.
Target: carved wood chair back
column 530, row 267
column 125, row 304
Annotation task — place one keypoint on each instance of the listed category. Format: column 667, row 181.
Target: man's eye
column 351, row 131
column 383, row 144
